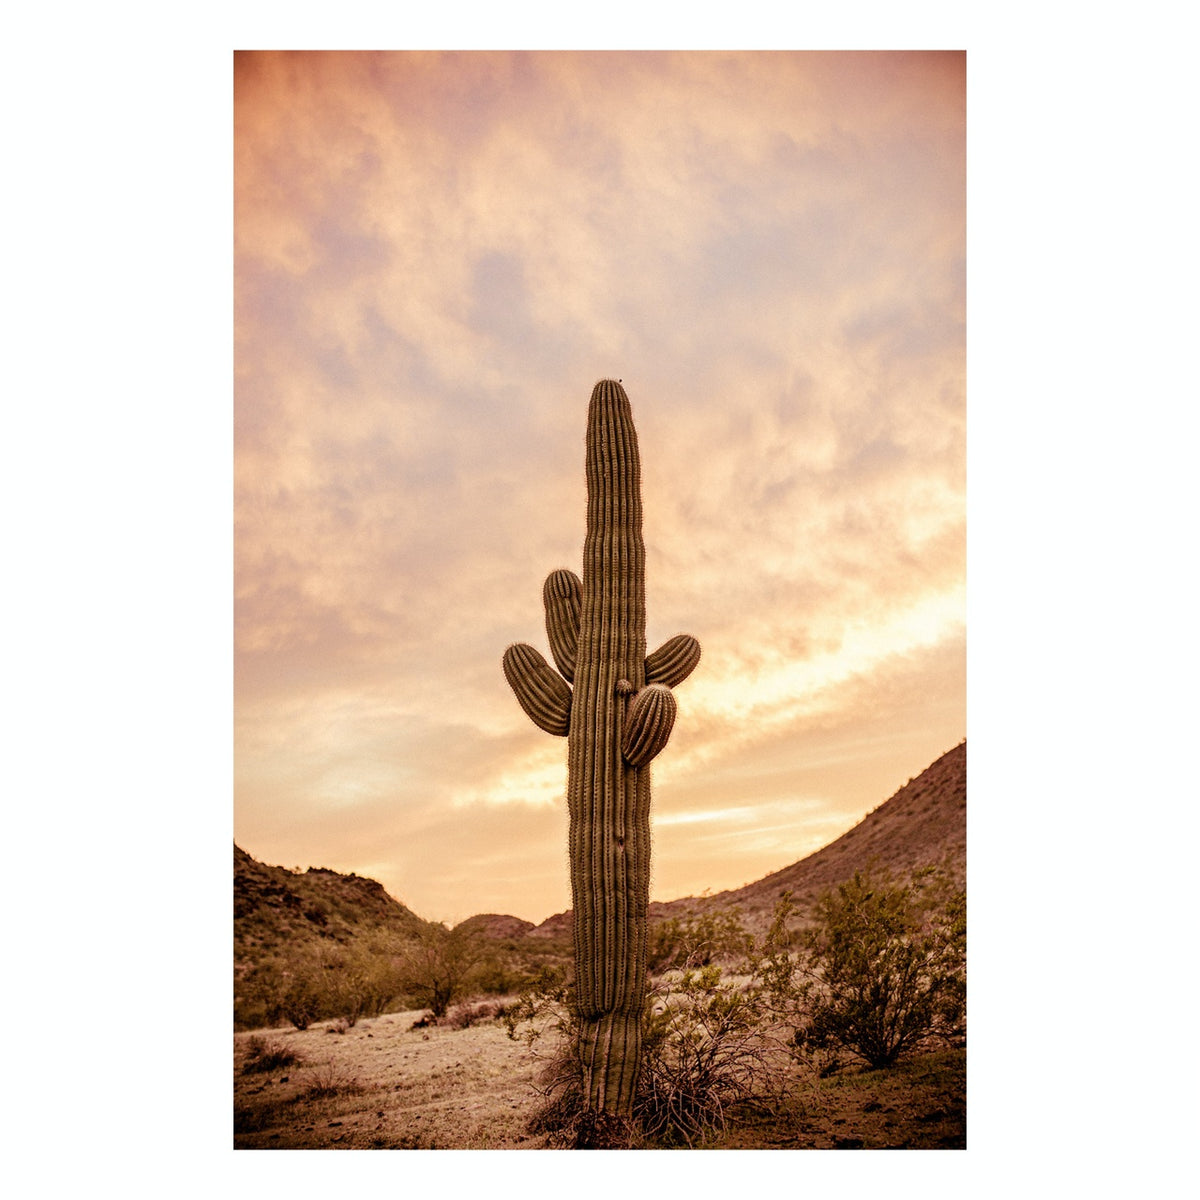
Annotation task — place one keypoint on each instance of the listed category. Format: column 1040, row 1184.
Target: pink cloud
column 437, row 255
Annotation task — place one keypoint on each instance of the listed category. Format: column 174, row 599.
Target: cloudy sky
column 437, row 255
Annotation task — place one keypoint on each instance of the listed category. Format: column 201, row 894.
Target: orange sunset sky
column 437, row 255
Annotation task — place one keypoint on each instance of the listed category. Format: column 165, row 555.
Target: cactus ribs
column 616, row 708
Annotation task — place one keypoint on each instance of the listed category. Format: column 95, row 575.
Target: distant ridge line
column 923, row 823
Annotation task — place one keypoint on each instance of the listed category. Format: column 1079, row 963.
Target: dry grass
column 263, row 1056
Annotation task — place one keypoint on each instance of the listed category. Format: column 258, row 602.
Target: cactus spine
column 617, row 716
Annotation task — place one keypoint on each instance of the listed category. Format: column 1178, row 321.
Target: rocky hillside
column 277, row 911
column 306, row 942
column 281, row 912
column 923, row 824
column 497, row 928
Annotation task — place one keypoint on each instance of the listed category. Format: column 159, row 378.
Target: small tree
column 362, row 978
column 885, row 966
column 436, row 967
column 303, row 999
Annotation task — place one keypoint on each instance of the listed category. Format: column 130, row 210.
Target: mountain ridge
column 923, row 823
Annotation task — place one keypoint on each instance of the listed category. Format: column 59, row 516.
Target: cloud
column 436, row 256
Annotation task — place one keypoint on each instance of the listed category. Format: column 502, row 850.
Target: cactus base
column 610, row 1052
column 602, row 1131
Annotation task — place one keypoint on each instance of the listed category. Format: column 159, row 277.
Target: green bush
column 347, row 981
column 497, row 975
column 884, row 967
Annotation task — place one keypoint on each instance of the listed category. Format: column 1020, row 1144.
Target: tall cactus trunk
column 608, row 800
column 617, row 717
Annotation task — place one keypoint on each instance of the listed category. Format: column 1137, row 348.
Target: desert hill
column 496, row 927
column 284, row 915
column 276, row 909
column 922, row 824
column 284, row 920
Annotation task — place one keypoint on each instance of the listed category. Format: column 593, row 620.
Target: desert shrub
column 547, row 1004
column 698, row 939
column 327, row 1081
column 458, row 1016
column 293, row 989
column 360, row 979
column 711, row 1046
column 496, row 976
column 716, row 1041
column 884, row 967
column 263, row 1056
column 463, row 1016
column 278, row 990
column 437, row 966
column 257, row 996
column 302, row 1001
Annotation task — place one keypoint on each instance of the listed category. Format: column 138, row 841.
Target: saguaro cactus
column 616, row 708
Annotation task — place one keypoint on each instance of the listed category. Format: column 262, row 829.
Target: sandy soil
column 385, row 1085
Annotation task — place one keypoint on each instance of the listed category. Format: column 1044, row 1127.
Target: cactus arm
column 648, row 724
column 562, row 597
column 673, row 661
column 541, row 692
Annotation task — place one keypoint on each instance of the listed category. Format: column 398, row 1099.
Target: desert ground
column 384, row 1085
